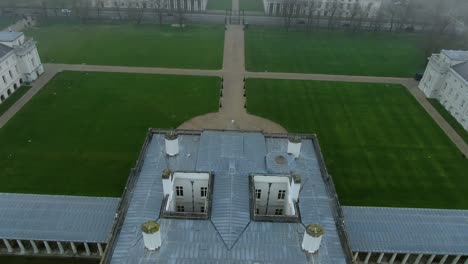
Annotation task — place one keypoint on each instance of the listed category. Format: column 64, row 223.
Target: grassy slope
column 450, row 119
column 333, row 52
column 82, row 133
column 219, row 4
column 380, row 145
column 13, row 98
column 251, row 5
column 131, row 45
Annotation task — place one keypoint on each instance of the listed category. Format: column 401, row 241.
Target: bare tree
column 378, row 19
column 180, row 13
column 333, row 13
column 288, row 12
column 117, row 8
column 311, row 13
column 81, row 9
column 136, row 12
column 159, row 6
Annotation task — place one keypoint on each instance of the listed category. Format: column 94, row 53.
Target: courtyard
column 195, row 47
column 82, row 133
column 379, row 144
column 333, row 52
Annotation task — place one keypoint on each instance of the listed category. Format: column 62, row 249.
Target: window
column 180, row 208
column 257, row 211
column 203, row 191
column 4, row 79
column 281, row 194
column 202, row 209
column 258, row 193
column 279, row 212
column 11, row 74
column 179, row 191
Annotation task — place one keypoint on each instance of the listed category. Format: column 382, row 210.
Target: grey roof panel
column 56, row 217
column 9, row 36
column 229, row 236
column 459, row 55
column 462, row 69
column 407, row 230
column 4, row 50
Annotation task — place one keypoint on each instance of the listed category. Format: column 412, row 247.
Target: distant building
column 338, row 8
column 19, row 62
column 446, row 79
column 187, row 5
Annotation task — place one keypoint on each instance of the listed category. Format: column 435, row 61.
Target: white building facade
column 325, row 8
column 446, row 79
column 19, row 62
column 187, row 5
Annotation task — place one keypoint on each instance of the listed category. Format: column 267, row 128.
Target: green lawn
column 379, row 144
column 333, row 52
column 450, row 119
column 83, row 132
column 251, row 5
column 13, row 98
column 219, row 4
column 199, row 47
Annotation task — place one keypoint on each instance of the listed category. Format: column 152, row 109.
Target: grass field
column 83, row 132
column 379, row 144
column 333, row 52
column 450, row 119
column 219, row 4
column 13, row 98
column 198, row 47
column 251, row 5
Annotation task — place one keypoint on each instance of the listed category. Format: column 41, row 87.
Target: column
column 73, row 248
column 393, row 258
column 430, row 259
column 418, row 259
column 59, row 244
column 47, row 246
column 405, row 259
column 21, row 246
column 189, row 2
column 356, row 256
column 195, row 5
column 101, row 252
column 444, row 258
column 8, row 245
column 456, row 259
column 367, row 258
column 88, row 252
column 34, row 246
column 379, row 260
column 274, row 9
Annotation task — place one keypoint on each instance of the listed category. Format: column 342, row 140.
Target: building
column 187, row 5
column 19, row 62
column 446, row 79
column 325, row 8
column 229, row 197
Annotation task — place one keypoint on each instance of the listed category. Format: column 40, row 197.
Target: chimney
column 172, row 143
column 167, row 181
column 312, row 238
column 151, row 235
column 295, row 187
column 294, row 145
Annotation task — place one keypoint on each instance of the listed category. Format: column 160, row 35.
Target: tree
column 311, row 8
column 117, row 8
column 180, row 13
column 81, row 9
column 136, row 12
column 288, row 12
column 333, row 13
column 159, row 6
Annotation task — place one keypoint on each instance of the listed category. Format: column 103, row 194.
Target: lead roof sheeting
column 229, row 236
column 4, row 50
column 407, row 230
column 56, row 218
column 462, row 69
column 9, row 36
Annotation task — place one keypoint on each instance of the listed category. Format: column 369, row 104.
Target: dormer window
column 275, row 197
column 186, row 194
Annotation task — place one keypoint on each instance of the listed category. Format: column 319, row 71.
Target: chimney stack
column 312, row 238
column 294, row 146
column 167, row 181
column 151, row 235
column 172, row 143
column 295, row 187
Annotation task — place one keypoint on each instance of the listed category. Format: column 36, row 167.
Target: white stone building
column 188, row 5
column 342, row 8
column 19, row 62
column 446, row 79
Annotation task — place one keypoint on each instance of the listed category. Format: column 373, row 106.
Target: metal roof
column 9, row 36
column 4, row 50
column 407, row 230
column 462, row 69
column 459, row 55
column 230, row 236
column 56, row 217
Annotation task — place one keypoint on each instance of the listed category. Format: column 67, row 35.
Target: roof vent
column 151, row 235
column 312, row 238
column 172, row 143
column 294, row 146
